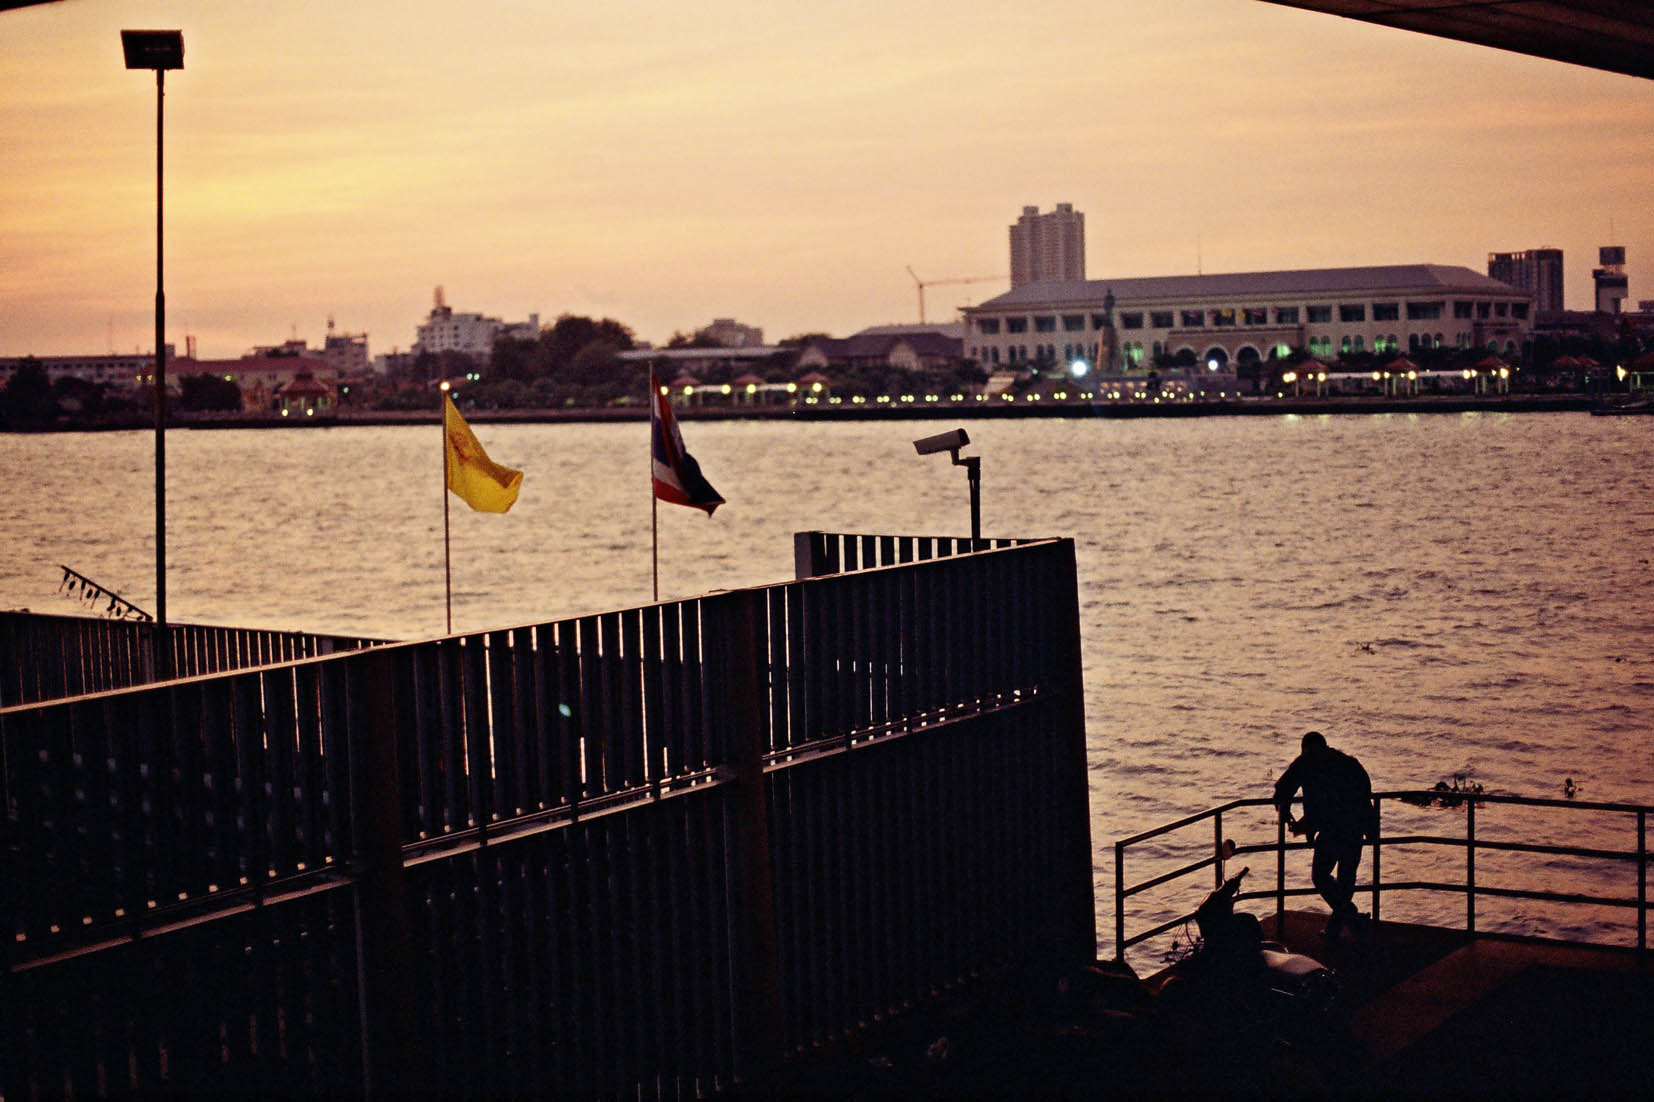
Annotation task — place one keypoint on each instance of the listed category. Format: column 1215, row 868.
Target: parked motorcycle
column 1241, row 989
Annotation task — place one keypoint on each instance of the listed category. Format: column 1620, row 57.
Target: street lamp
column 158, row 50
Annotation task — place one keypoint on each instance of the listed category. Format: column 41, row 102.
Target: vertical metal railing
column 1470, row 842
column 580, row 817
column 46, row 657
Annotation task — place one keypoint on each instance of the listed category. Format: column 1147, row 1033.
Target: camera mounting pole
column 951, row 442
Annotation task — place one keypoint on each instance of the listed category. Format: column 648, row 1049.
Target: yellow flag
column 479, row 481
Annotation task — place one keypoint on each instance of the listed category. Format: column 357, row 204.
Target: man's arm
column 1286, row 788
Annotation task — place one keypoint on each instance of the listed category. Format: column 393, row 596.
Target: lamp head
column 153, row 49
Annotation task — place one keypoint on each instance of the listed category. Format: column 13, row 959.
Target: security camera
column 942, row 442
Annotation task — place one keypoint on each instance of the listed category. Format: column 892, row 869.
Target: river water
column 1444, row 595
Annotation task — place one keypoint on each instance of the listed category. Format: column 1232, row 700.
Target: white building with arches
column 1245, row 318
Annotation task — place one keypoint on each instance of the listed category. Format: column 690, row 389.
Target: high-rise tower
column 1536, row 271
column 1048, row 246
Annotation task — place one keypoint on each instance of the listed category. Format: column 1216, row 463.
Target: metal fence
column 46, row 657
column 1630, row 862
column 640, row 852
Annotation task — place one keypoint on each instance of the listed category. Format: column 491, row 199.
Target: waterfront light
column 1078, row 369
column 158, row 50
column 724, row 389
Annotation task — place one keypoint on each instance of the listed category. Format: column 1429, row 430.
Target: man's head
column 1314, row 742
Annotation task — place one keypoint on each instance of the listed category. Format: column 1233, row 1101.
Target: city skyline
column 776, row 164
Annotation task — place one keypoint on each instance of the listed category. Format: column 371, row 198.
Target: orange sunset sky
column 779, row 162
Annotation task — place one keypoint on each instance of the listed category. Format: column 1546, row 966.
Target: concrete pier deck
column 1426, row 1012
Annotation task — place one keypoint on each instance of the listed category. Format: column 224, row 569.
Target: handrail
column 1470, row 843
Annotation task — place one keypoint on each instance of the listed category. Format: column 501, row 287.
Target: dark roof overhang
column 1613, row 35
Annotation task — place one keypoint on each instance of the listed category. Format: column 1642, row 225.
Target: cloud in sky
column 775, row 161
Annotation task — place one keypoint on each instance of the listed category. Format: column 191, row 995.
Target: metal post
column 973, row 474
column 810, row 555
column 1078, row 893
column 1119, row 902
column 736, row 622
column 1378, row 834
column 1217, row 850
column 1280, row 871
column 385, row 957
column 1470, row 867
column 163, row 663
column 1642, row 879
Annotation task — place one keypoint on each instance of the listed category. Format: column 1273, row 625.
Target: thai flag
column 678, row 477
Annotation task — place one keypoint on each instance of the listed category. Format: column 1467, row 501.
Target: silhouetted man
column 1339, row 816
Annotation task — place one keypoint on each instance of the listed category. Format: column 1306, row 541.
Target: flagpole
column 654, row 502
column 447, row 569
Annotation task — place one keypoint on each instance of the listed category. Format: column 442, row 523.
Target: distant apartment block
column 1536, row 271
column 117, row 372
column 729, row 333
column 345, row 353
column 472, row 335
column 1048, row 246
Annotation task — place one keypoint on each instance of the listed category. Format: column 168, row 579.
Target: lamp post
column 158, row 50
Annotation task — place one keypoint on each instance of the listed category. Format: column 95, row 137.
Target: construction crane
column 923, row 283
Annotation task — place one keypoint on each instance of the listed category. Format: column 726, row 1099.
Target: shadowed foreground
column 1426, row 1012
